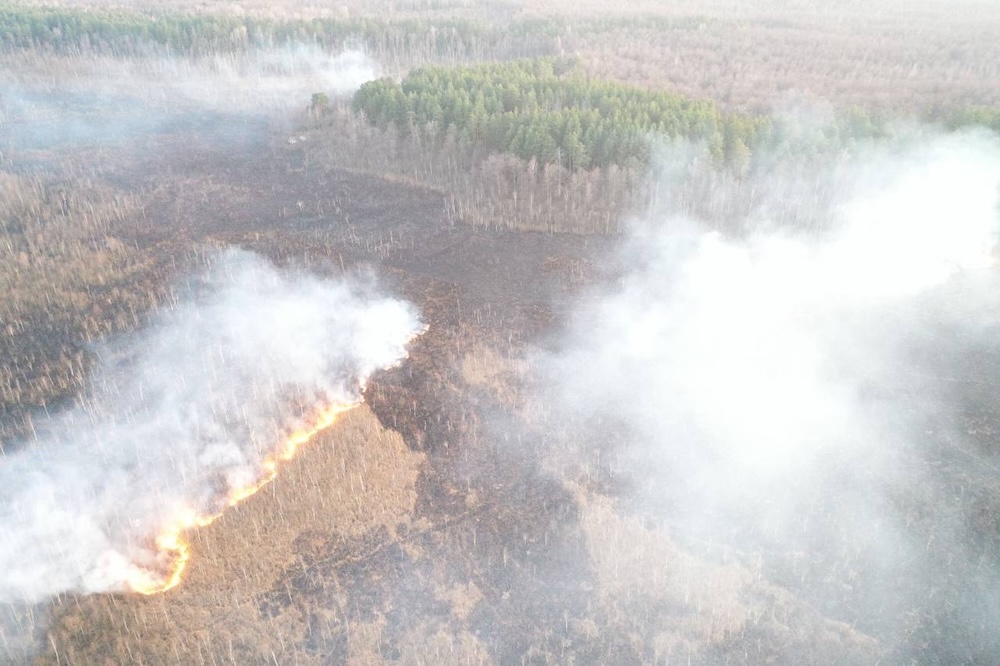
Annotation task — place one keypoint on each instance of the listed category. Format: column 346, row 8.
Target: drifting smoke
column 275, row 78
column 47, row 101
column 800, row 395
column 182, row 417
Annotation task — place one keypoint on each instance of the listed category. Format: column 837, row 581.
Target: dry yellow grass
column 711, row 603
column 354, row 478
column 430, row 645
column 635, row 564
column 485, row 368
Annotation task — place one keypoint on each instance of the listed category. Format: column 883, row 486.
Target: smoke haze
column 47, row 101
column 182, row 414
column 804, row 396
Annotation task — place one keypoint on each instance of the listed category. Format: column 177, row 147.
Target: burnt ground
column 450, row 540
column 484, row 510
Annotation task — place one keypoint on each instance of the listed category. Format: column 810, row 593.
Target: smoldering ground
column 180, row 415
column 813, row 390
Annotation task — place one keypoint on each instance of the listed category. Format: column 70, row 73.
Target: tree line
column 132, row 33
column 404, row 41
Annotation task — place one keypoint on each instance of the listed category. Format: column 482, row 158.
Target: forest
column 582, row 140
column 128, row 33
column 698, row 360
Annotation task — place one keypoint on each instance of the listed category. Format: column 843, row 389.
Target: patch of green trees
column 545, row 109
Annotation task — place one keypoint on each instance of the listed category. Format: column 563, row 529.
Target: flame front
column 174, row 550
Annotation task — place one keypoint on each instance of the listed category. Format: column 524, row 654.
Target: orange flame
column 170, row 542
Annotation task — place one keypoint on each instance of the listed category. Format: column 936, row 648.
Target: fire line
column 171, row 541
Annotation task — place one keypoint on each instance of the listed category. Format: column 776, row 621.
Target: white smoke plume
column 788, row 391
column 181, row 415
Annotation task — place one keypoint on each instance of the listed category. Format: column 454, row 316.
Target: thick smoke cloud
column 804, row 396
column 182, row 414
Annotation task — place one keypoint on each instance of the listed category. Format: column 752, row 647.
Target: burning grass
column 355, row 477
column 172, row 541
